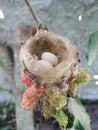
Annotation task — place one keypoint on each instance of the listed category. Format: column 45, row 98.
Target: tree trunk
column 10, row 75
column 24, row 118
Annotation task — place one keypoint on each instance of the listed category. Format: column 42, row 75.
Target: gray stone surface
column 62, row 17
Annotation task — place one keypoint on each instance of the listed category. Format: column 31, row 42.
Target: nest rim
column 59, row 46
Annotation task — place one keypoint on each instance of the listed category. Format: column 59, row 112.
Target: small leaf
column 92, row 48
column 76, row 108
column 70, row 120
column 78, row 126
column 70, row 128
column 61, row 117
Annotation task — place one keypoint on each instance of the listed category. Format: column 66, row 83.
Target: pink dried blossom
column 31, row 97
column 26, row 79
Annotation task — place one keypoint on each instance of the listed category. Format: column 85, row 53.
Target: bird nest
column 46, row 41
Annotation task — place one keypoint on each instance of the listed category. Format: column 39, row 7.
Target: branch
column 36, row 19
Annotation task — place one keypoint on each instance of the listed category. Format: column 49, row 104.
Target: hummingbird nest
column 50, row 71
column 46, row 41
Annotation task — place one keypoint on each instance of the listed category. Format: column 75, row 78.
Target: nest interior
column 48, row 42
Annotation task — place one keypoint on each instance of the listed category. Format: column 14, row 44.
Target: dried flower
column 54, row 101
column 48, row 110
column 31, row 97
column 82, row 77
column 26, row 79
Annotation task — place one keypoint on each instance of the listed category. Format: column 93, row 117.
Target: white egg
column 44, row 65
column 50, row 57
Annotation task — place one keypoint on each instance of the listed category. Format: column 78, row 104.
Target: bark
column 6, row 69
column 11, row 82
column 24, row 118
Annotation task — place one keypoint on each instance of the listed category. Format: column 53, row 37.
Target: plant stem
column 61, row 128
column 36, row 19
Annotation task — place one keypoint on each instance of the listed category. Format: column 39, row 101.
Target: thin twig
column 36, row 19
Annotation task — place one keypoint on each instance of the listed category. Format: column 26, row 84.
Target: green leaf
column 70, row 128
column 61, row 117
column 70, row 120
column 78, row 126
column 92, row 48
column 76, row 108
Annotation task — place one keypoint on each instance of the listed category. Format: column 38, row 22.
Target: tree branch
column 36, row 19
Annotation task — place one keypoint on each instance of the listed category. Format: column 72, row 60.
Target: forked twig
column 36, row 19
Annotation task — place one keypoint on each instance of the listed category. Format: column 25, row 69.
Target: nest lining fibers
column 46, row 41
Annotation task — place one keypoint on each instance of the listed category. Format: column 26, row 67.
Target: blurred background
column 73, row 19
